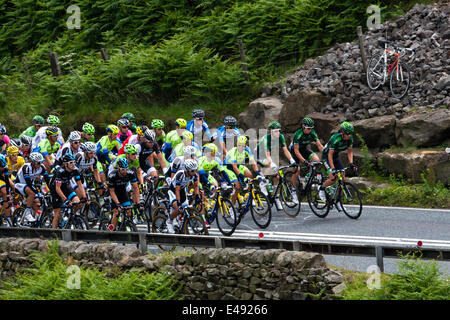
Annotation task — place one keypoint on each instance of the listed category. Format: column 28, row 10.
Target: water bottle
column 65, row 219
column 38, row 215
column 319, row 178
column 307, row 177
column 269, row 186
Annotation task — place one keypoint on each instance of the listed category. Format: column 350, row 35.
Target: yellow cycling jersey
column 16, row 166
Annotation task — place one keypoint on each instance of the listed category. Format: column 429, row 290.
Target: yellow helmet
column 12, row 150
column 210, row 147
column 112, row 129
column 242, row 140
column 141, row 130
column 181, row 123
column 187, row 135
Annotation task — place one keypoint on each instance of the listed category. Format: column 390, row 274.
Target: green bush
column 49, row 277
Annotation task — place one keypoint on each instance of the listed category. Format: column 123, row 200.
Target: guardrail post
column 143, row 243
column 379, row 256
column 296, row 245
column 219, row 243
column 66, row 235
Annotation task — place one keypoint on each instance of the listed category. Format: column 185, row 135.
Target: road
column 376, row 224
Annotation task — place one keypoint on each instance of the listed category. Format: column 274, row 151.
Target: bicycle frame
column 388, row 69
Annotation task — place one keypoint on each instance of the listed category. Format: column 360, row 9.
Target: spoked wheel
column 92, row 214
column 375, row 71
column 226, row 217
column 196, row 226
column 350, row 200
column 159, row 226
column 290, row 197
column 261, row 209
column 317, row 205
column 77, row 223
column 400, row 80
column 17, row 218
column 128, row 226
column 46, row 222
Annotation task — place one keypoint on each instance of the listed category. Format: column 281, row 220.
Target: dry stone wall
column 212, row 274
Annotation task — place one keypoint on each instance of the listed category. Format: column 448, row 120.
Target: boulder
column 424, row 129
column 298, row 104
column 260, row 112
column 376, row 132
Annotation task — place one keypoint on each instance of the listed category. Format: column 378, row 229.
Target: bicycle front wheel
column 77, row 223
column 400, row 80
column 226, row 217
column 319, row 207
column 290, row 197
column 92, row 213
column 375, row 71
column 261, row 210
column 350, row 200
column 159, row 226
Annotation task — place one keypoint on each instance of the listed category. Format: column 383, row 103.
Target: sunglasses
column 76, row 142
column 125, row 127
column 309, row 128
column 276, row 130
column 14, row 155
column 198, row 118
column 71, row 162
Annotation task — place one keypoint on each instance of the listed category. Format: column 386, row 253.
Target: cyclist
column 86, row 160
column 108, row 145
column 61, row 187
column 227, row 134
column 177, row 190
column 49, row 146
column 339, row 142
column 237, row 171
column 25, row 146
column 130, row 117
column 187, row 138
column 149, row 151
column 124, row 131
column 158, row 126
column 41, row 134
column 5, row 189
column 177, row 164
column 31, row 131
column 210, row 163
column 24, row 183
column 15, row 162
column 300, row 148
column 118, row 180
column 197, row 126
column 134, row 139
column 87, row 133
column 275, row 140
column 4, row 139
column 72, row 147
column 174, row 137
column 131, row 155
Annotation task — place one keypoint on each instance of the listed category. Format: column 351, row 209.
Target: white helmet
column 191, row 164
column 89, row 146
column 74, row 136
column 150, row 135
column 189, row 151
column 36, row 157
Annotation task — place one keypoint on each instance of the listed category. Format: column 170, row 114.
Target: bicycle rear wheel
column 400, row 80
column 375, row 71
column 318, row 206
column 261, row 210
column 77, row 223
column 290, row 208
column 350, row 200
column 159, row 226
column 128, row 226
column 92, row 213
column 226, row 217
column 195, row 225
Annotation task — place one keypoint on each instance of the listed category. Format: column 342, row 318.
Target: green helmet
column 38, row 120
column 157, row 124
column 53, row 120
column 88, row 128
column 274, row 125
column 308, row 122
column 347, row 127
column 130, row 148
column 128, row 115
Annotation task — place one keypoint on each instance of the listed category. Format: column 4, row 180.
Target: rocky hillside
column 332, row 88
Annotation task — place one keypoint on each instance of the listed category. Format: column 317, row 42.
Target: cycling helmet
column 68, row 157
column 198, row 113
column 3, row 161
column 141, row 130
column 74, row 136
column 2, row 129
column 150, row 135
column 26, row 140
column 308, row 122
column 112, row 129
column 16, row 142
column 189, row 151
column 230, row 121
column 242, row 141
column 38, row 120
column 191, row 164
column 53, row 120
column 36, row 157
column 122, row 163
column 210, row 147
column 88, row 128
column 52, row 131
column 130, row 148
column 128, row 115
column 89, row 146
column 187, row 135
column 346, row 127
column 274, row 125
column 123, row 122
column 157, row 124
column 12, row 150
column 181, row 123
